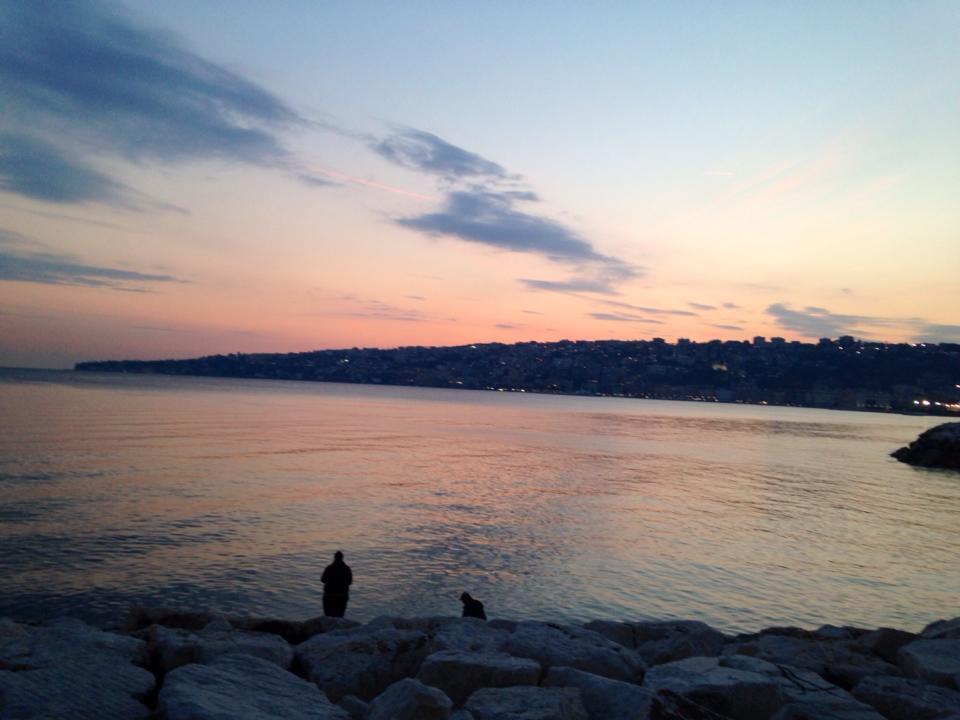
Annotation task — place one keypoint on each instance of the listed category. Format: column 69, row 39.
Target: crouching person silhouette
column 337, row 579
column 472, row 608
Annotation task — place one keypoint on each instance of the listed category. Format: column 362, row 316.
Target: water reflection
column 233, row 496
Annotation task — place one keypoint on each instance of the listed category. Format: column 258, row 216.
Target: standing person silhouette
column 337, row 579
column 472, row 608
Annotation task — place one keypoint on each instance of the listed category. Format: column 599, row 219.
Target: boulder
column 937, row 447
column 462, row 715
column 242, row 687
column 460, row 673
column 704, row 684
column 67, row 669
column 426, row 625
column 409, row 699
column 293, row 631
column 806, row 695
column 603, row 698
column 662, row 642
column 886, row 642
column 933, row 661
column 355, row 707
column 140, row 618
column 942, row 630
column 620, row 632
column 898, row 698
column 575, row 647
column 175, row 647
column 469, row 634
column 361, row 661
column 526, row 703
column 845, row 662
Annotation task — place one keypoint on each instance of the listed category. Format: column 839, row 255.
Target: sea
column 231, row 496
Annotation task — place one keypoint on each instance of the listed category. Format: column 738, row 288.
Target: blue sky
column 184, row 178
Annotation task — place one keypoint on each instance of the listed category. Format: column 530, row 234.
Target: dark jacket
column 337, row 578
column 473, row 608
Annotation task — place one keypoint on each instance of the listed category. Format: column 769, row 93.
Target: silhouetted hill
column 842, row 373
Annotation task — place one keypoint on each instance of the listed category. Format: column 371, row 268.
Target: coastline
column 181, row 664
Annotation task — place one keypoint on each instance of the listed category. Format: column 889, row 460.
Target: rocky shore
column 173, row 665
column 938, row 447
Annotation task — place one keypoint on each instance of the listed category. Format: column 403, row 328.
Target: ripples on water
column 233, row 495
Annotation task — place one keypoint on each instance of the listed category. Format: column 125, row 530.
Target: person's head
column 338, row 556
column 465, row 597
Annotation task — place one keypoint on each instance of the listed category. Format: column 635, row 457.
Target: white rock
column 620, row 632
column 67, row 669
column 906, row 699
column 526, row 703
column 362, row 661
column 469, row 634
column 569, row 646
column 409, row 699
column 603, row 698
column 934, row 661
column 174, row 647
column 696, row 683
column 661, row 642
column 845, row 662
column 806, row 695
column 460, row 673
column 242, row 687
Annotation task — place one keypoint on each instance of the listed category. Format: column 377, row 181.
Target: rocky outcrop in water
column 938, row 447
column 192, row 666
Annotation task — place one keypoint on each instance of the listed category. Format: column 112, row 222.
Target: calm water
column 233, row 495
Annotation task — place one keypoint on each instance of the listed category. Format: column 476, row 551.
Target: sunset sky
column 182, row 178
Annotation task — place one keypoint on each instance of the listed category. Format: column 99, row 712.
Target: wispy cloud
column 723, row 326
column 425, row 152
column 506, row 326
column 38, row 170
column 701, row 306
column 816, row 322
column 624, row 317
column 732, row 306
column 648, row 310
column 486, row 205
column 94, row 77
column 21, row 260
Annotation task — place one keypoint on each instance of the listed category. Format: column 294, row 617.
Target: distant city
column 845, row 373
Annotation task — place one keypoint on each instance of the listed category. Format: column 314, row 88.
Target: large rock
column 242, row 687
column 934, row 661
column 526, row 703
column 175, row 647
column 355, row 707
column 564, row 645
column 469, row 634
column 937, row 447
column 362, row 661
column 67, row 669
column 140, row 618
column 603, row 698
column 409, row 699
column 942, row 630
column 899, row 698
column 845, row 662
column 697, row 684
column 662, row 642
column 806, row 695
column 293, row 631
column 620, row 632
column 460, row 673
column 886, row 642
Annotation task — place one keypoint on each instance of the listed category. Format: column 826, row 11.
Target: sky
column 189, row 178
